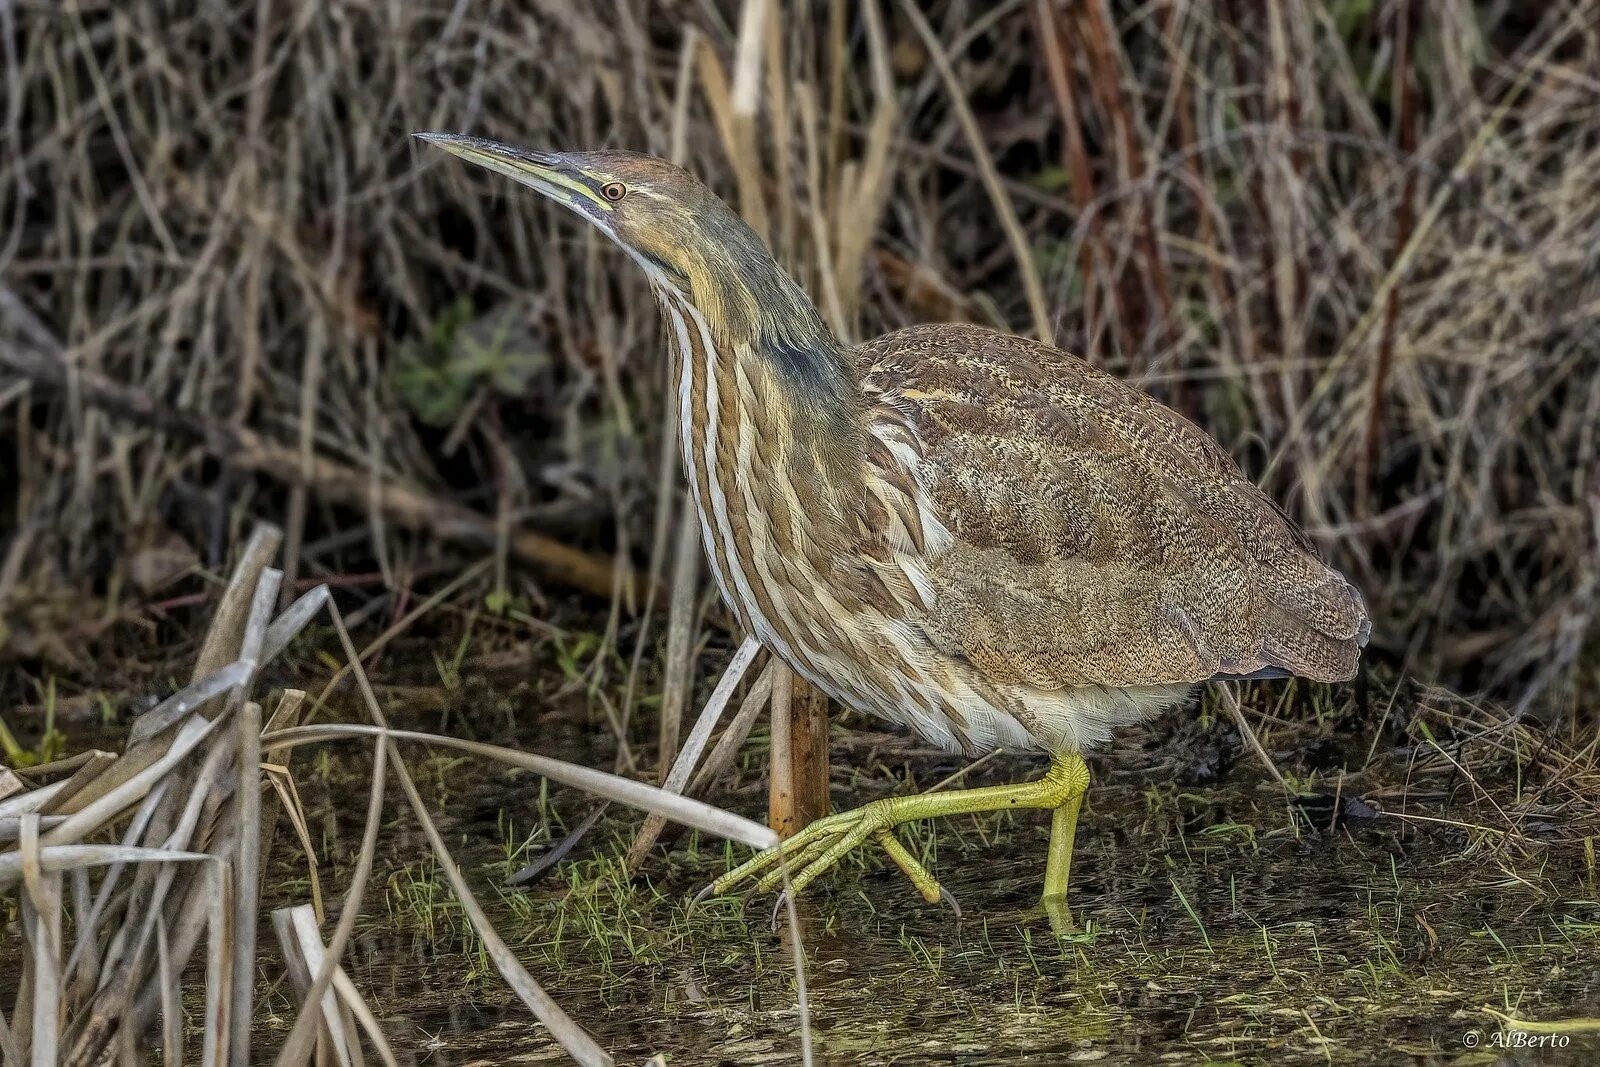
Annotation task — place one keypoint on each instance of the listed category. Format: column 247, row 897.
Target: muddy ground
column 1385, row 915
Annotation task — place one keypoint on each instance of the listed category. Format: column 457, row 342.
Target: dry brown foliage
column 1354, row 240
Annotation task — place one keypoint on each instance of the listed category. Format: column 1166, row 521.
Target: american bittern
column 971, row 534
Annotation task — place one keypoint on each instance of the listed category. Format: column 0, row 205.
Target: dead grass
column 185, row 799
column 1356, row 246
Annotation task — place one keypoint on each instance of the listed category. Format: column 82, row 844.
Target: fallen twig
column 242, row 449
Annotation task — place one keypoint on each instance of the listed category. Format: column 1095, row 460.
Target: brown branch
column 1144, row 324
column 1076, row 159
column 1404, row 223
column 244, row 450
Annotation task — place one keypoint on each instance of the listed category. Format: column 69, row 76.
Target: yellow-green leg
column 1058, row 864
column 817, row 848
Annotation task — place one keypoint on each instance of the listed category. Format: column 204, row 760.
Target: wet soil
column 1214, row 921
column 1382, row 919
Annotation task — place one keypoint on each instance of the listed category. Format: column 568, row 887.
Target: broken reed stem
column 678, row 669
column 738, row 730
column 41, row 924
column 682, row 767
column 808, row 748
column 797, row 792
column 247, row 879
column 297, row 1046
column 780, row 762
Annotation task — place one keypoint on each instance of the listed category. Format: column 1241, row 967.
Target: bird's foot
column 1062, row 924
column 816, row 849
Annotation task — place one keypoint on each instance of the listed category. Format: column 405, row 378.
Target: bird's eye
column 613, row 191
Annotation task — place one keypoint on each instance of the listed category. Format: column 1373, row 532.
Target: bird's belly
column 888, row 669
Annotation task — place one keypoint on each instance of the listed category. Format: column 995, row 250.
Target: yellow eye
column 613, row 191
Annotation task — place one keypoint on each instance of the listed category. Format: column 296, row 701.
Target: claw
column 947, row 897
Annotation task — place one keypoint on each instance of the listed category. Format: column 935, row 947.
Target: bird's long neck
column 771, row 424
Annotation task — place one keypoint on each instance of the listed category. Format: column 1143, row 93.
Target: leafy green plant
column 465, row 352
column 52, row 742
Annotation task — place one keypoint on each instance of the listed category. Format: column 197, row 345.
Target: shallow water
column 1212, row 925
column 1213, row 921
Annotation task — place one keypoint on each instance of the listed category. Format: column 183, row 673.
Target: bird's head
column 680, row 232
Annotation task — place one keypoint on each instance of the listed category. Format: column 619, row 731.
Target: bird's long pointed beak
column 547, row 172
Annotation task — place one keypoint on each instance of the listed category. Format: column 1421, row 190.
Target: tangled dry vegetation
column 1355, row 240
column 110, row 928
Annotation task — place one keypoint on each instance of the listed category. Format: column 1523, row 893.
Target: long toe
column 828, row 859
column 781, row 855
column 920, row 877
column 797, row 862
column 792, row 863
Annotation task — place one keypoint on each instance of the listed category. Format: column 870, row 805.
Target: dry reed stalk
column 1229, row 313
column 738, row 730
column 782, row 122
column 1282, row 191
column 682, row 621
column 294, row 1049
column 87, row 771
column 677, row 776
column 1404, row 82
column 743, row 104
column 737, row 144
column 1076, row 160
column 666, row 477
column 639, row 795
column 1231, row 702
column 1005, row 213
column 832, row 301
column 1296, row 433
column 333, row 1041
column 1149, row 312
column 171, row 1014
column 861, row 201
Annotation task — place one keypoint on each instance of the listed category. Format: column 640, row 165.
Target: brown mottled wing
column 1099, row 537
